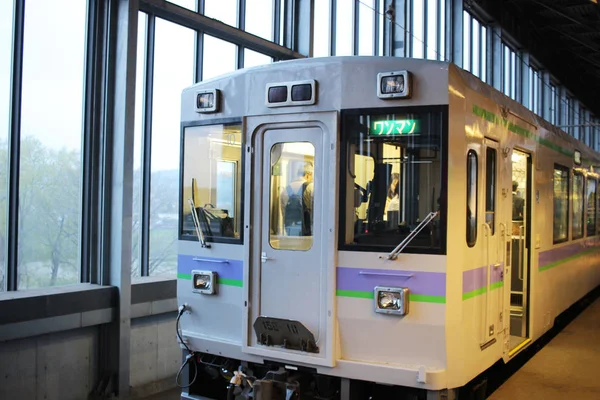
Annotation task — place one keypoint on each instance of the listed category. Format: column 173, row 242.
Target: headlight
column 204, row 282
column 391, row 300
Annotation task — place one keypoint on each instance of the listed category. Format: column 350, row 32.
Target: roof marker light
column 394, row 84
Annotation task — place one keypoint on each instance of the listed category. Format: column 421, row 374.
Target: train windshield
column 212, row 182
column 393, row 179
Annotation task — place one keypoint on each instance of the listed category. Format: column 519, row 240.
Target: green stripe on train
column 422, row 298
column 570, row 258
column 220, row 281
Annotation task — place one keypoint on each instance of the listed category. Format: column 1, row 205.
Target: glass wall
column 6, row 27
column 50, row 205
column 173, row 71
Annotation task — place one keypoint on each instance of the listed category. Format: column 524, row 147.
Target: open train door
column 517, row 290
column 290, row 267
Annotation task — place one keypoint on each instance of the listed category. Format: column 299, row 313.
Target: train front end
column 312, row 241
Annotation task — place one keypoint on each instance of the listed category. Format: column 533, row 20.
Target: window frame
column 211, row 239
column 594, row 231
column 559, row 167
column 583, row 210
column 343, row 165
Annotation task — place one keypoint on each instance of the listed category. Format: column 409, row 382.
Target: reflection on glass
column 222, row 10
column 136, row 221
column 476, row 58
column 394, row 179
column 173, row 71
column 578, row 205
column 50, row 169
column 259, row 18
column 189, row 4
column 253, row 58
column 6, row 26
column 432, row 28
column 561, row 203
column 466, row 41
column 322, row 28
column 366, row 27
column 219, row 57
column 483, row 53
column 591, row 206
column 344, row 24
column 418, row 31
column 212, row 181
column 291, row 196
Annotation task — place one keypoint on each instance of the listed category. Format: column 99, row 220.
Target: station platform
column 567, row 367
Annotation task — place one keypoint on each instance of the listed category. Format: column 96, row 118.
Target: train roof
column 339, row 70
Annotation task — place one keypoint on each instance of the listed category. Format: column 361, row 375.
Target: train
column 371, row 227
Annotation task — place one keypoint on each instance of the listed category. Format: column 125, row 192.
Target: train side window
column 490, row 188
column 561, row 203
column 578, row 205
column 472, row 173
column 591, row 206
column 212, row 182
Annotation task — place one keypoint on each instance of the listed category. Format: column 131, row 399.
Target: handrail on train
column 394, row 254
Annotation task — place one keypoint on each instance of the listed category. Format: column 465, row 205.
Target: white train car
column 353, row 227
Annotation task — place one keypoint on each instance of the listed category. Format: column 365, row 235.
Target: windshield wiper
column 199, row 231
column 394, row 254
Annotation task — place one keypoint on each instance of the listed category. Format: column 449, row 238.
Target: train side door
column 291, row 275
column 494, row 232
column 519, row 257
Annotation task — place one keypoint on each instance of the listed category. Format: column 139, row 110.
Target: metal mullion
column 90, row 146
column 276, row 37
column 356, row 18
column 333, row 27
column 241, row 26
column 145, row 202
column 470, row 44
column 425, row 28
column 12, row 211
column 438, row 20
column 480, row 44
column 199, row 71
column 376, row 28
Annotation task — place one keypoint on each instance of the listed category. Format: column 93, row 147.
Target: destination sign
column 394, row 127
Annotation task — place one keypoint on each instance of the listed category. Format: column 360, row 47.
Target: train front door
column 291, row 252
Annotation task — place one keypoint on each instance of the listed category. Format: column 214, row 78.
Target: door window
column 291, row 196
column 472, row 173
column 490, row 189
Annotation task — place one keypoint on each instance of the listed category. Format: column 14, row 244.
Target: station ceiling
column 563, row 35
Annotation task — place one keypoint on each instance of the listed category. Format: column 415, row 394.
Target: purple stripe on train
column 550, row 256
column 364, row 280
column 225, row 268
column 474, row 279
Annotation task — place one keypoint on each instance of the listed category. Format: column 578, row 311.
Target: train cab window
column 472, row 174
column 212, row 171
column 392, row 165
column 291, row 193
column 561, row 203
column 591, row 206
column 578, row 205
